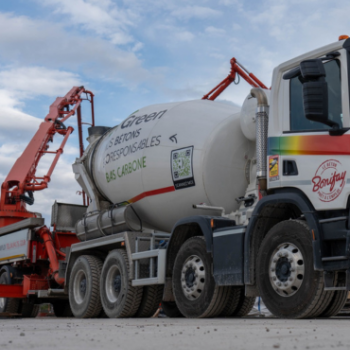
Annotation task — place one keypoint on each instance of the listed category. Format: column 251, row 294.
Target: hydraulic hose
column 45, row 234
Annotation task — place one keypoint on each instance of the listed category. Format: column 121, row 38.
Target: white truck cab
column 302, row 153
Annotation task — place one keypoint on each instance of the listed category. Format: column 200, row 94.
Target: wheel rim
column 79, row 289
column 113, row 284
column 193, row 277
column 286, row 270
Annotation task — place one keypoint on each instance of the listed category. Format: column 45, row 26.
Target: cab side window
column 298, row 122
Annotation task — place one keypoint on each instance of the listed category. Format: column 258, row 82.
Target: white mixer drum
column 165, row 158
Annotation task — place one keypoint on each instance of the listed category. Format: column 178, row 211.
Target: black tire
column 322, row 304
column 102, row 314
column 305, row 298
column 207, row 301
column 8, row 305
column 244, row 305
column 151, row 298
column 337, row 301
column 62, row 308
column 119, row 298
column 27, row 309
column 84, row 287
column 36, row 309
column 232, row 303
column 336, row 304
column 170, row 309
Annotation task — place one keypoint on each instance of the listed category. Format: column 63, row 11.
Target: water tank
column 166, row 157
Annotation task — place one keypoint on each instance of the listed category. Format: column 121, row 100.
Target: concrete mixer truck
column 200, row 206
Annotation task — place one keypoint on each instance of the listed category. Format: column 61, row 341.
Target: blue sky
column 137, row 52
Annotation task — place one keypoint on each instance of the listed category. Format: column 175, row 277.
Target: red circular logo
column 329, row 180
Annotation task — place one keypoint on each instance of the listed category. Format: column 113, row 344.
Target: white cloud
column 137, row 47
column 33, row 81
column 215, row 31
column 217, row 55
column 104, row 18
column 236, row 26
column 19, row 84
column 184, row 36
column 230, row 3
column 27, row 42
column 13, row 122
column 200, row 12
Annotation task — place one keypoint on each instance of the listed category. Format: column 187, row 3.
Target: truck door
column 305, row 155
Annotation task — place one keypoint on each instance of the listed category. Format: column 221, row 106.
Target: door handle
column 290, row 168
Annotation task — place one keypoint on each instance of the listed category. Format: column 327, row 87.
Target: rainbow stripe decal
column 151, row 193
column 309, row 145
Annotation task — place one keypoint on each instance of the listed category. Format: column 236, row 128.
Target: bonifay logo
column 329, row 180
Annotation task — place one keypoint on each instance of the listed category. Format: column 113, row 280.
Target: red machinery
column 21, row 178
column 17, row 192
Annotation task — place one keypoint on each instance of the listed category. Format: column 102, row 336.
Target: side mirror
column 315, row 90
column 312, row 69
column 315, row 99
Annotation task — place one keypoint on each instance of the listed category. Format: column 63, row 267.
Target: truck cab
column 305, row 211
column 293, row 249
column 302, row 153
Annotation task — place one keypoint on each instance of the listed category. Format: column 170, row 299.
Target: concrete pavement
column 166, row 333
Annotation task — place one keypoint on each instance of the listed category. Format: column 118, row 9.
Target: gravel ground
column 165, row 333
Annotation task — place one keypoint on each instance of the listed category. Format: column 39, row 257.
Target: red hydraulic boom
column 236, row 69
column 19, row 185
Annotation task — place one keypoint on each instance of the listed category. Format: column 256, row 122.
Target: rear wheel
column 244, row 305
column 194, row 287
column 119, row 298
column 62, row 308
column 36, row 309
column 27, row 309
column 151, row 298
column 337, row 301
column 84, row 287
column 170, row 309
column 8, row 305
column 232, row 303
column 286, row 279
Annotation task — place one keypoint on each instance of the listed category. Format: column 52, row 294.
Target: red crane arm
column 22, row 177
column 236, row 68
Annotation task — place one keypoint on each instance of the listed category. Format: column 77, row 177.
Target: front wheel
column 286, row 279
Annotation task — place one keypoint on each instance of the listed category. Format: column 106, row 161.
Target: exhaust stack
column 262, row 119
